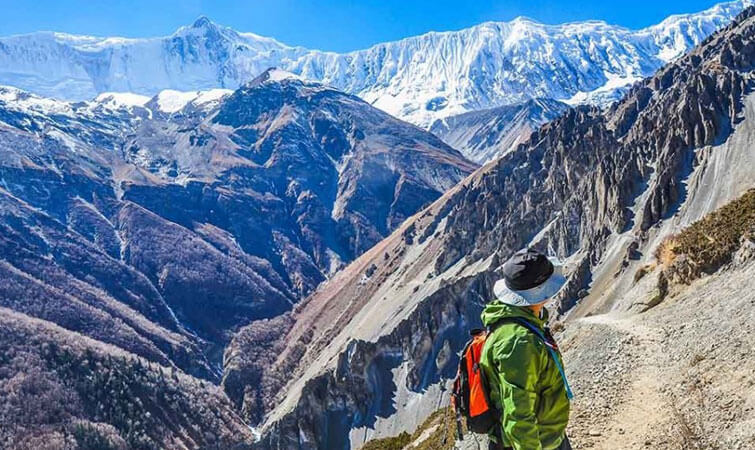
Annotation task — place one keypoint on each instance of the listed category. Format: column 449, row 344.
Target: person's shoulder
column 512, row 337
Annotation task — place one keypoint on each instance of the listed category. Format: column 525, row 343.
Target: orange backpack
column 470, row 396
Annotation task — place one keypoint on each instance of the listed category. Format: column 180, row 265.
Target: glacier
column 419, row 79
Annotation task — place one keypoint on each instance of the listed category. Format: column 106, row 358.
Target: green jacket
column 525, row 382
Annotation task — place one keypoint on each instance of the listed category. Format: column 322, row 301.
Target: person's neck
column 536, row 309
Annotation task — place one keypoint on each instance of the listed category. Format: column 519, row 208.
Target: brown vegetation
column 644, row 270
column 666, row 252
column 437, row 432
column 61, row 390
column 710, row 243
column 706, row 245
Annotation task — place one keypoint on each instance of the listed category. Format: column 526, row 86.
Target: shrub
column 711, row 242
column 666, row 252
column 389, row 443
column 90, row 438
column 706, row 245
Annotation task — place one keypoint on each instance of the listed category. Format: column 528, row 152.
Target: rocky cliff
column 367, row 353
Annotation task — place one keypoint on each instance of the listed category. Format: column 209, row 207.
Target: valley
column 186, row 224
column 598, row 187
column 287, row 249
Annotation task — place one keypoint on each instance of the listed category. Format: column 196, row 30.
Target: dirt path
column 642, row 402
column 679, row 376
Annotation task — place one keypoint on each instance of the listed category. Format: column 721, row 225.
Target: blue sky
column 328, row 25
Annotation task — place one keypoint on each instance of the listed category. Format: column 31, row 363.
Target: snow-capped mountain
column 198, row 57
column 418, row 79
column 102, row 121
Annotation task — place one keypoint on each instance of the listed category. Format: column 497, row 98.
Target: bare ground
column 680, row 376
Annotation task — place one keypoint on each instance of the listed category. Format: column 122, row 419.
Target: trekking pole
column 459, row 432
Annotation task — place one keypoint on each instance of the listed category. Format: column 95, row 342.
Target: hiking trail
column 653, row 380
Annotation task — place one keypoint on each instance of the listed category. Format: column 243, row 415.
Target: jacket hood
column 498, row 310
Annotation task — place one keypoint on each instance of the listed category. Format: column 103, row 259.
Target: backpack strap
column 549, row 344
column 552, row 348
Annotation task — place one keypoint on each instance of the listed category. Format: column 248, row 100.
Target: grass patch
column 705, row 246
column 389, row 443
column 711, row 242
column 437, row 432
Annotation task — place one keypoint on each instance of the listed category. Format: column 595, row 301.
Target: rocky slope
column 667, row 388
column 658, row 383
column 418, row 79
column 368, row 354
column 648, row 380
column 644, row 377
column 490, row 133
column 161, row 226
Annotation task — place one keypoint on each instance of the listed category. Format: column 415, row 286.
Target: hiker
column 520, row 358
column 511, row 382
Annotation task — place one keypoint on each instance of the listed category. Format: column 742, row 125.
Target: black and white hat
column 529, row 278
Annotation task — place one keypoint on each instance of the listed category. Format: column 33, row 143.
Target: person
column 520, row 358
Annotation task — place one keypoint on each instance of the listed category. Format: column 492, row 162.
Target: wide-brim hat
column 529, row 278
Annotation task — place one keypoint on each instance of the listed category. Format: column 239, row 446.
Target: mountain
column 490, row 133
column 418, row 79
column 436, row 75
column 370, row 352
column 161, row 225
column 197, row 57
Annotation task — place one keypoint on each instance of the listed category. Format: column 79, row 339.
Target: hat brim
column 536, row 295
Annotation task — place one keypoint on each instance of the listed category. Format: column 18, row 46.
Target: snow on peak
column 211, row 96
column 673, row 38
column 121, row 99
column 724, row 11
column 202, row 22
column 419, row 79
column 19, row 99
column 171, row 101
column 276, row 74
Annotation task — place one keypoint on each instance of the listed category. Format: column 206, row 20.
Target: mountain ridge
column 173, row 223
column 140, row 235
column 491, row 133
column 418, row 79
